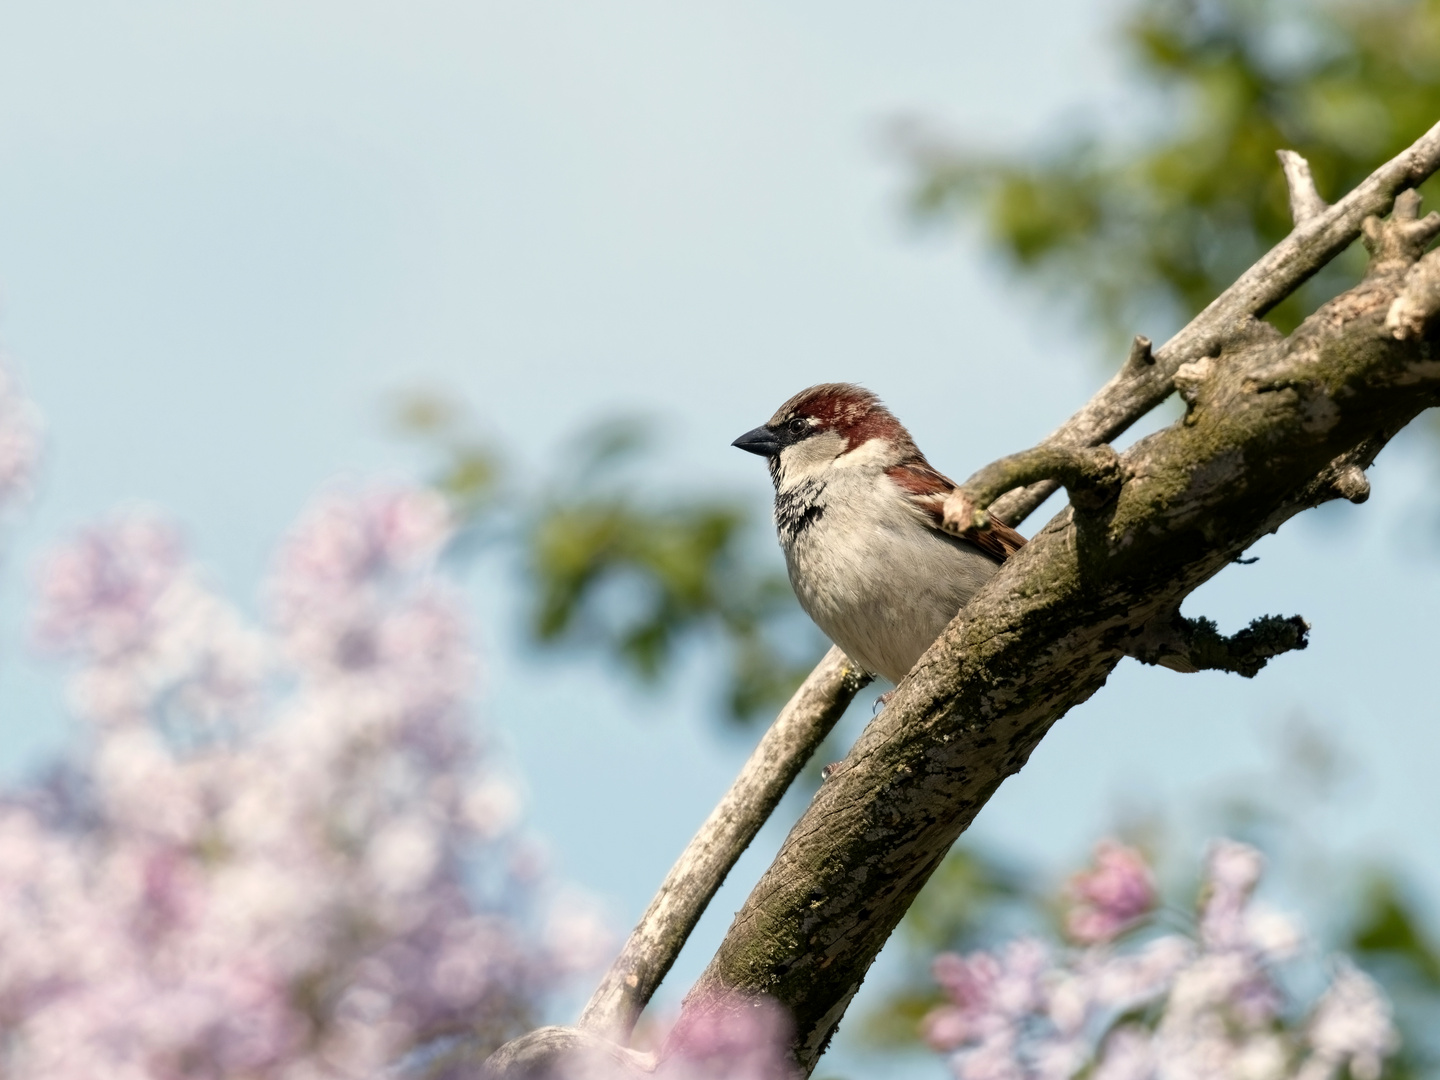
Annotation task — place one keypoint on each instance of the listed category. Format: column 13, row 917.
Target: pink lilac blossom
column 285, row 853
column 734, row 1038
column 739, row 1039
column 1175, row 1008
column 1110, row 898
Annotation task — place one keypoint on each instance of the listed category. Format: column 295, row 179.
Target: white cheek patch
column 810, row 456
column 872, row 453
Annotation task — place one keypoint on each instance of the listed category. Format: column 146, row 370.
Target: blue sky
column 231, row 232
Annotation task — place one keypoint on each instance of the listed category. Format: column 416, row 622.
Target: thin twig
column 700, row 871
column 1090, row 474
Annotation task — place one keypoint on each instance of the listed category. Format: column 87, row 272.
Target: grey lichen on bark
column 1191, row 645
column 1274, row 425
column 1420, row 294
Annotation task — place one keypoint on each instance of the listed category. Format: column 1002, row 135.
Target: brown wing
column 928, row 489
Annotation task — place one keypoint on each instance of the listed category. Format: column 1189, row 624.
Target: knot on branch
column 1190, row 377
column 1399, row 241
column 1305, row 200
column 1352, row 484
column 1091, row 475
column 1419, row 299
column 1190, row 645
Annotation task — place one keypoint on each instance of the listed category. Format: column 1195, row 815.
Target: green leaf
column 1388, row 928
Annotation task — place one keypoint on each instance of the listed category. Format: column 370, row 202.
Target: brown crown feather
column 851, row 410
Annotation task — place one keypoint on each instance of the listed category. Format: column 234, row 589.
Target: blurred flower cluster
column 19, row 441
column 731, row 1037
column 1206, row 1003
column 284, row 852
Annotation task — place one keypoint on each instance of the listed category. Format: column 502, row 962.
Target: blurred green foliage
column 1386, row 931
column 1388, row 937
column 1148, row 226
column 633, row 578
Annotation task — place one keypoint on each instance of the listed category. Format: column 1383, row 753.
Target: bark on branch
column 1274, row 426
column 1089, row 474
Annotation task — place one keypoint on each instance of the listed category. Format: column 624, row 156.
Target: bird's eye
column 797, row 426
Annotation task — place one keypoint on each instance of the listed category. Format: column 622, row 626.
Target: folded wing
column 927, row 491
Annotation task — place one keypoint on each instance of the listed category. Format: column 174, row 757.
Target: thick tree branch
column 701, row 869
column 1274, row 425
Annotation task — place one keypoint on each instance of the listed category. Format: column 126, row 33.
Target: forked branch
column 1090, row 475
column 701, row 869
column 1135, row 390
column 1023, row 652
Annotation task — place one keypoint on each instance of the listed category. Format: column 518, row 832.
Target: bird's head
column 819, row 426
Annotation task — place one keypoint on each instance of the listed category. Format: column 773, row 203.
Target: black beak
column 761, row 441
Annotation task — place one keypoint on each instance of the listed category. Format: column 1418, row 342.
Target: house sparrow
column 858, row 512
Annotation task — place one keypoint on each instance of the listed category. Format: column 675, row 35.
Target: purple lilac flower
column 737, row 1039
column 273, row 873
column 1112, row 896
column 1352, row 1026
column 1172, row 1008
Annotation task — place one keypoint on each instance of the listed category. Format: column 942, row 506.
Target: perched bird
column 858, row 512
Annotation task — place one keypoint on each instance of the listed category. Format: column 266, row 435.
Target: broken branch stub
column 1305, row 200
